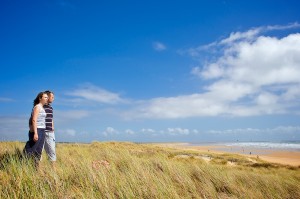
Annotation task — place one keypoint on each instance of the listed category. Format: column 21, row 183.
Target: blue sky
column 145, row 71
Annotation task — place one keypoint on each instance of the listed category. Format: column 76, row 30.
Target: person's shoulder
column 38, row 106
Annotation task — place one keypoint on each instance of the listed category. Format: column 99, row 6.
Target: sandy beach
column 286, row 157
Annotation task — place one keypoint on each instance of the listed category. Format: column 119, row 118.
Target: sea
column 253, row 147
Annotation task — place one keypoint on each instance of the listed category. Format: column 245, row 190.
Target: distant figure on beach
column 49, row 131
column 34, row 146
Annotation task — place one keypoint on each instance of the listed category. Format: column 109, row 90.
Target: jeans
column 35, row 149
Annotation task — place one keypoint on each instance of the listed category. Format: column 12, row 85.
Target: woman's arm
column 34, row 124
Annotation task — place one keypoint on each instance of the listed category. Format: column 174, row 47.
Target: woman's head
column 42, row 98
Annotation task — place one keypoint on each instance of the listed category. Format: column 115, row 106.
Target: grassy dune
column 128, row 170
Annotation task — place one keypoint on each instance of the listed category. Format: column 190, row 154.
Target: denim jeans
column 35, row 149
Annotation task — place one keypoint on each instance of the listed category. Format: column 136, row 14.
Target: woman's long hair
column 38, row 98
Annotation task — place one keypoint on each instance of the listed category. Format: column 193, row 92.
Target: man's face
column 51, row 98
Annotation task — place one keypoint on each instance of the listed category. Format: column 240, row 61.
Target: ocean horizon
column 263, row 145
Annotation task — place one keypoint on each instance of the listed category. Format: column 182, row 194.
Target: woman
column 35, row 145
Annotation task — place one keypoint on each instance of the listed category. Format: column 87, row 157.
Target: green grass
column 142, row 171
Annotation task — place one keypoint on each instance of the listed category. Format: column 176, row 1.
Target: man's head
column 50, row 96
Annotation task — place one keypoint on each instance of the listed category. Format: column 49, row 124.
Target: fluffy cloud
column 253, row 75
column 129, row 132
column 264, row 62
column 110, row 131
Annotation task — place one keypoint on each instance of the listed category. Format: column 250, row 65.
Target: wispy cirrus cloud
column 253, row 33
column 5, row 99
column 158, row 46
column 89, row 92
column 234, row 37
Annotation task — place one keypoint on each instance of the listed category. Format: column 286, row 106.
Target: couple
column 41, row 129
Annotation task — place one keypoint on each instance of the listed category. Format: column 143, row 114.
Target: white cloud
column 195, row 131
column 70, row 132
column 275, row 130
column 148, row 130
column 158, row 46
column 255, row 75
column 4, row 99
column 234, row 37
column 110, row 131
column 276, row 59
column 169, row 131
column 252, row 34
column 283, row 27
column 129, row 131
column 249, row 35
column 177, row 107
column 292, row 93
column 89, row 92
column 177, row 131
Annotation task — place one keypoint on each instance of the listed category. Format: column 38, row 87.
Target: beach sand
column 285, row 157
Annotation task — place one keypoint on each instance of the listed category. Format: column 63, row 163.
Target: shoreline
column 281, row 156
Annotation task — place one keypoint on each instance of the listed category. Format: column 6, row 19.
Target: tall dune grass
column 128, row 170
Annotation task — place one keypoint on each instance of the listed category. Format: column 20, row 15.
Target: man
column 49, row 131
